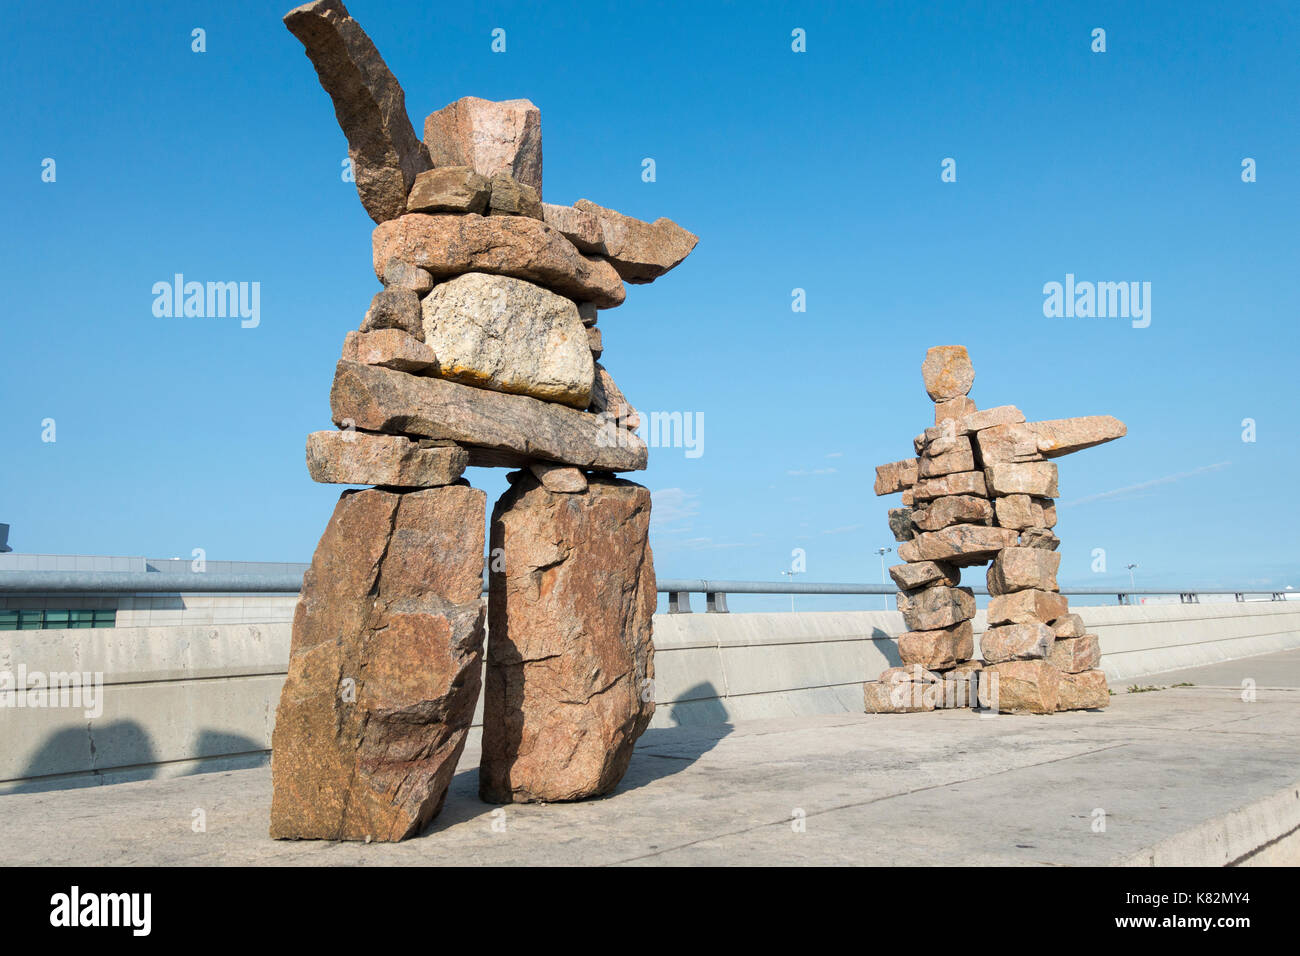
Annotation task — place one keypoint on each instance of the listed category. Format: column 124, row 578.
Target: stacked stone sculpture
column 981, row 489
column 481, row 349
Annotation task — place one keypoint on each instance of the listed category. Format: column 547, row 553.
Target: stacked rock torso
column 480, row 350
column 980, row 490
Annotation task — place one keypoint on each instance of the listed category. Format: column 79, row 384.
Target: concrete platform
column 1186, row 775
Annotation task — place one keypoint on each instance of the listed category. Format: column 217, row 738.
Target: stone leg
column 384, row 666
column 570, row 663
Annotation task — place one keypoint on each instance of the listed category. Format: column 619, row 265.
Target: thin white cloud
column 814, row 471
column 836, row 454
column 1143, row 486
column 843, row 530
column 673, row 506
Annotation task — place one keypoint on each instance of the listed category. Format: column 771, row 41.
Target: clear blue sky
column 816, row 170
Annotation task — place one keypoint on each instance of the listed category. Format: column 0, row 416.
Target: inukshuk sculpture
column 481, row 349
column 980, row 489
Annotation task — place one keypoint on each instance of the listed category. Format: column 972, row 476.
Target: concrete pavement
column 1168, row 771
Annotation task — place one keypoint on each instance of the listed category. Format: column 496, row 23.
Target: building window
column 41, row 620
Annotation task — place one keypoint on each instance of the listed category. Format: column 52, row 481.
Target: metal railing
column 679, row 590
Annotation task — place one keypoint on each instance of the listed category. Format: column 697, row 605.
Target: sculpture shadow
column 220, row 751
column 61, row 762
column 887, row 645
column 699, row 719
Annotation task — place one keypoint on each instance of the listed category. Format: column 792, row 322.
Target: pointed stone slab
column 640, row 251
column 497, row 429
column 516, row 246
column 368, row 102
column 1063, row 436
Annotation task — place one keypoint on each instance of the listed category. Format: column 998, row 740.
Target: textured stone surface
column 1015, row 569
column 1020, row 687
column 900, row 524
column 1025, row 606
column 505, row 430
column 936, row 650
column 965, row 671
column 563, row 479
column 1001, row 415
column 389, row 348
column 1085, row 691
column 608, row 399
column 953, row 509
column 394, row 309
column 383, row 667
column 513, row 198
column 1013, row 442
column 595, row 342
column 1069, row 625
column 368, row 103
column 959, row 544
column 1036, row 478
column 359, row 458
column 518, row 246
column 1039, row 538
column 1072, row 655
column 948, row 372
column 963, row 483
column 937, row 439
column 932, row 608
column 570, row 659
column 640, row 251
column 1023, row 511
column 449, row 189
column 580, row 227
column 510, row 336
column 895, row 476
column 904, row 697
column 922, row 573
column 959, row 458
column 1062, row 436
column 1012, row 642
column 402, row 275
column 957, row 408
column 488, row 136
column 908, row 672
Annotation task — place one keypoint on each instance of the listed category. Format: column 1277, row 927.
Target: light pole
column 882, row 552
column 791, row 573
column 1131, row 583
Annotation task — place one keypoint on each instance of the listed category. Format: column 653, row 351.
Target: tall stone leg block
column 570, row 662
column 383, row 668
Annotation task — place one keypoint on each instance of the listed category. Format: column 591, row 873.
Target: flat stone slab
column 516, row 246
column 996, row 791
column 503, row 430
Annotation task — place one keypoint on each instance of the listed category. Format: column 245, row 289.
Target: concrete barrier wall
column 185, row 699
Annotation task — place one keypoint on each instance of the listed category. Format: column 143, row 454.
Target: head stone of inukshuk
column 481, row 349
column 980, row 489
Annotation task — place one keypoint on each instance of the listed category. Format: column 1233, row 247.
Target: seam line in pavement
column 864, row 803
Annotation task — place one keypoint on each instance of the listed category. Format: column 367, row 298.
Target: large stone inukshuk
column 481, row 349
column 981, row 489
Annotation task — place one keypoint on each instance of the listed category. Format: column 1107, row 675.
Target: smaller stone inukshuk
column 481, row 349
column 981, row 489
